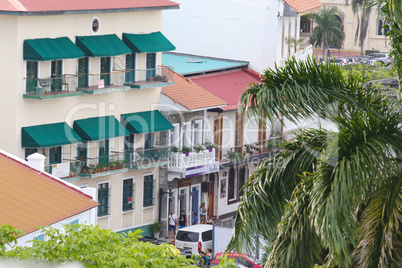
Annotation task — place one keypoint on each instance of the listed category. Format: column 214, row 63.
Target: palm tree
column 363, row 7
column 330, row 197
column 328, row 30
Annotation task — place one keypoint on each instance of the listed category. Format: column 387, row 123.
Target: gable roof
column 303, row 6
column 30, row 198
column 228, row 85
column 89, row 6
column 190, row 95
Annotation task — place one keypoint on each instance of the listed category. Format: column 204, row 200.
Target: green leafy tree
column 94, row 247
column 328, row 30
column 331, row 198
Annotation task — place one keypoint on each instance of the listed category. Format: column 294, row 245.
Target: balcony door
column 130, row 67
column 105, row 69
column 104, row 151
column 32, row 75
column 151, row 64
column 129, row 148
column 83, row 70
column 56, row 73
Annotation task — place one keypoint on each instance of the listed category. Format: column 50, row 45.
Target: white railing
column 179, row 161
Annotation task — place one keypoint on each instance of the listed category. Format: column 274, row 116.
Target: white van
column 197, row 237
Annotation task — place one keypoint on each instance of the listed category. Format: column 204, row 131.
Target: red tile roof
column 190, row 95
column 303, row 6
column 228, row 85
column 71, row 5
column 30, row 198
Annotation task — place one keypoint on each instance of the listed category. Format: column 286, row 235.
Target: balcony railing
column 250, row 150
column 65, row 170
column 144, row 158
column 104, row 165
column 52, row 87
column 181, row 161
column 147, row 78
column 102, row 83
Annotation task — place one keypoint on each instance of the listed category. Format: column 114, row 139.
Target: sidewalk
column 317, row 52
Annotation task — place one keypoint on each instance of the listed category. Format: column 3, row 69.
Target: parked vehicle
column 340, row 61
column 196, row 237
column 365, row 60
column 383, row 58
column 242, row 259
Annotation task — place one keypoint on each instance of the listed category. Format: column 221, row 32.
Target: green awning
column 48, row 135
column 152, row 42
column 102, row 45
column 145, row 122
column 51, row 49
column 99, row 128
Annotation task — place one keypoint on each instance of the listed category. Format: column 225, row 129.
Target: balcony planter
column 186, row 150
column 39, row 91
column 150, row 79
column 209, row 146
column 165, row 78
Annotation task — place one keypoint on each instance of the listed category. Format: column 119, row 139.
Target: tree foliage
column 328, row 30
column 329, row 197
column 94, row 247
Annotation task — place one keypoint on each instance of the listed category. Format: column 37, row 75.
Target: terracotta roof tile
column 302, row 6
column 190, row 95
column 70, row 5
column 228, row 85
column 29, row 198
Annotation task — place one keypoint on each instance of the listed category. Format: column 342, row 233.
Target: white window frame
column 109, row 198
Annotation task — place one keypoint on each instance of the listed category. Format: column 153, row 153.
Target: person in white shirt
column 172, row 223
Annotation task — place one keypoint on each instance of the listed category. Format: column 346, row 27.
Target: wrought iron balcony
column 102, row 83
column 104, row 165
column 180, row 161
column 68, row 169
column 52, row 87
column 149, row 78
column 145, row 158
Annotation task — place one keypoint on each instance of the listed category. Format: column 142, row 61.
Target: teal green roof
column 146, row 122
column 102, row 45
column 49, row 135
column 44, row 49
column 148, row 43
column 99, row 128
column 190, row 64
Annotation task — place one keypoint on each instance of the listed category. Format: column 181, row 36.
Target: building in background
column 375, row 39
column 81, row 85
column 252, row 30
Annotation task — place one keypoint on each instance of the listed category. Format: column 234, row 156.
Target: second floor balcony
column 103, row 165
column 184, row 161
column 68, row 170
column 142, row 158
column 149, row 78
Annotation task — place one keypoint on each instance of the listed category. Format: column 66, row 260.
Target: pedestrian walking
column 172, row 223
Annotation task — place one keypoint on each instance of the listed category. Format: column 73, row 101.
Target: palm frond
column 380, row 228
column 297, row 243
column 270, row 187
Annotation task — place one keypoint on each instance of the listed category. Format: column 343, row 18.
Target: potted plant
column 91, row 169
column 155, row 228
column 174, row 149
column 198, row 148
column 165, row 78
column 186, row 150
column 113, row 165
column 209, row 145
column 151, row 78
column 85, row 169
column 158, row 78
